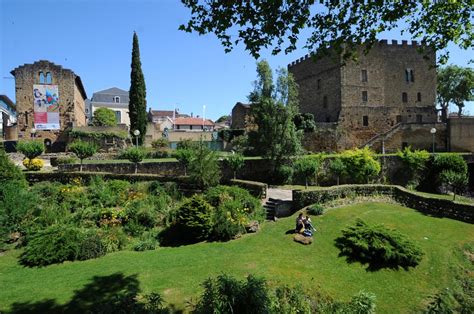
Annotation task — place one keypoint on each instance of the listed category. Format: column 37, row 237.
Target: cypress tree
column 137, row 94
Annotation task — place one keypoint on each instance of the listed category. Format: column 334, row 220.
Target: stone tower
column 387, row 91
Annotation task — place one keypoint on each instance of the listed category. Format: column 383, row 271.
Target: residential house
column 115, row 99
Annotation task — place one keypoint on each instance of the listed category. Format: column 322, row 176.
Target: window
column 419, row 118
column 399, row 119
column 365, row 97
column 41, row 78
column 365, row 120
column 325, row 101
column 409, row 77
column 404, row 97
column 116, row 99
column 118, row 116
column 363, row 75
column 49, row 79
column 418, row 96
column 318, row 84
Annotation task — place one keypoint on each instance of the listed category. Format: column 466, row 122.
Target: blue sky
column 94, row 39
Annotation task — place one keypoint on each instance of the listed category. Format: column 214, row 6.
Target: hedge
column 257, row 189
column 428, row 205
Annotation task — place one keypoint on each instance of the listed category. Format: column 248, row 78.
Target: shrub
column 363, row 302
column 229, row 221
column 147, row 242
column 185, row 144
column 54, row 244
column 9, row 172
column 34, row 164
column 225, row 294
column 315, row 210
column 66, row 160
column 104, row 117
column 204, row 167
column 240, row 144
column 235, row 162
column 112, row 238
column 378, row 246
column 306, row 168
column 451, row 169
column 194, row 219
column 83, row 150
column 291, row 300
column 160, row 143
column 360, row 164
column 184, row 157
column 415, row 162
column 337, row 168
column 91, row 247
column 283, row 174
column 31, row 149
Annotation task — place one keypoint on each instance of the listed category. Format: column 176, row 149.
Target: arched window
column 41, row 78
column 49, row 79
column 116, row 99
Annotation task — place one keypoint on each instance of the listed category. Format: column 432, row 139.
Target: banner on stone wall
column 46, row 107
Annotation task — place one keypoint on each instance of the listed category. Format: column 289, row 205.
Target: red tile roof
column 193, row 121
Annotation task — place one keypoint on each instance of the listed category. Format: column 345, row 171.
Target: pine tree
column 137, row 103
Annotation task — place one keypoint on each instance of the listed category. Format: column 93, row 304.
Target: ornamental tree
column 137, row 93
column 455, row 86
column 235, row 162
column 104, row 117
column 83, row 150
column 135, row 155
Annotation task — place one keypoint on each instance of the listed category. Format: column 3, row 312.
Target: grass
column 176, row 273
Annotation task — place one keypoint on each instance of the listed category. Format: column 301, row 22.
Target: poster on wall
column 46, row 107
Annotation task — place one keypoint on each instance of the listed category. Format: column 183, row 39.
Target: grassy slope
column 177, row 272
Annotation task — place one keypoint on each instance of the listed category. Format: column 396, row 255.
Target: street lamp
column 136, row 133
column 433, row 131
column 33, row 132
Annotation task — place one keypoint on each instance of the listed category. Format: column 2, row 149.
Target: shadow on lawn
column 115, row 293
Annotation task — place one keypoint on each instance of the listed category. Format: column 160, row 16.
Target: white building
column 113, row 98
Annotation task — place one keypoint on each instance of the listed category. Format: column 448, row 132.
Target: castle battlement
column 381, row 43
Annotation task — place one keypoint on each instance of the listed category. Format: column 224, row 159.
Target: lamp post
column 33, row 132
column 136, row 133
column 433, row 132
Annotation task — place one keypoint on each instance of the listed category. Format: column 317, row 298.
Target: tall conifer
column 137, row 93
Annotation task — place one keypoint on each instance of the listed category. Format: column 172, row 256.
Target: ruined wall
column 25, row 77
column 319, row 83
column 240, row 114
column 80, row 117
column 461, row 134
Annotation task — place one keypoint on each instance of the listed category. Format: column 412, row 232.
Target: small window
column 399, row 119
column 87, row 110
column 116, row 99
column 118, row 116
column 41, row 78
column 325, row 101
column 419, row 118
column 49, row 79
column 409, row 77
column 365, row 97
column 363, row 75
column 418, row 96
column 365, row 120
column 318, row 84
column 404, row 97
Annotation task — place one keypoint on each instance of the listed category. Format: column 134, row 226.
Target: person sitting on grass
column 308, row 225
column 299, row 223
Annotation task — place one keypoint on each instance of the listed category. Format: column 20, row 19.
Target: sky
column 94, row 39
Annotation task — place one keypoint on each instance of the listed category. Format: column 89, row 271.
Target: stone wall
column 240, row 114
column 71, row 100
column 461, row 134
column 428, row 205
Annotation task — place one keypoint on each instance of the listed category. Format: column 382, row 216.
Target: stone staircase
column 270, row 207
column 377, row 139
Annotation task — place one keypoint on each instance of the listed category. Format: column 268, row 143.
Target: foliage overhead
column 278, row 25
column 137, row 93
column 104, row 117
column 274, row 108
column 455, row 86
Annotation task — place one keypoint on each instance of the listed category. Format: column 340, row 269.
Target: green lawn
column 177, row 272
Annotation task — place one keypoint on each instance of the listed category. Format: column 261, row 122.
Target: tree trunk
column 136, row 167
column 235, row 174
column 80, row 168
column 444, row 113
column 185, row 172
column 306, row 183
column 337, row 180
